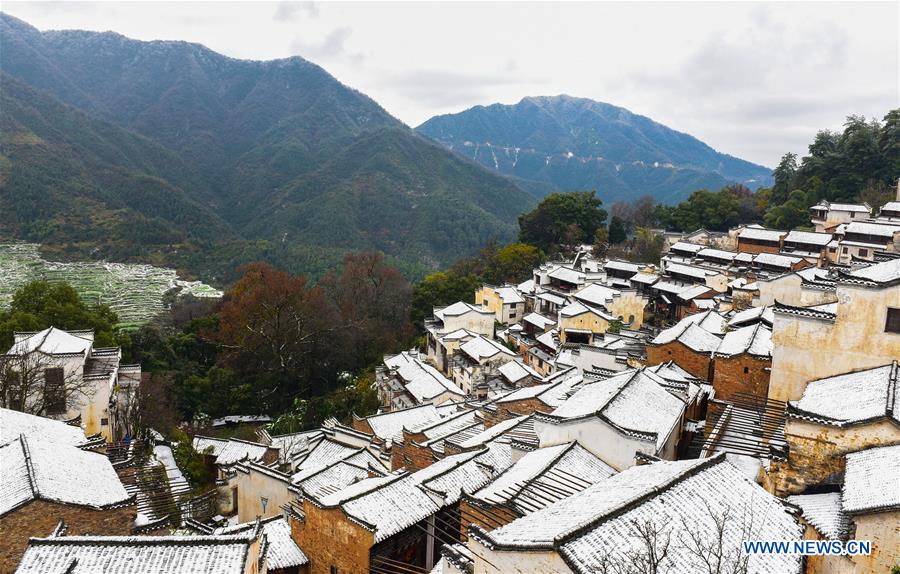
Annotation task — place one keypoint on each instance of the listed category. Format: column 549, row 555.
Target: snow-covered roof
column 458, row 308
column 489, row 433
column 677, row 499
column 883, row 272
column 865, row 228
column 644, row 278
column 230, row 451
column 526, row 286
column 753, row 339
column 509, row 295
column 632, row 400
column 131, row 554
column 329, row 479
column 841, row 206
column 752, row 315
column 567, row 274
column 549, row 339
column 323, row 453
column 851, row 397
column 516, row 370
column 870, row 480
column 761, row 234
column 551, row 393
column 481, row 348
column 35, row 469
column 808, row 238
column 698, row 331
column 281, row 551
column 420, row 379
column 693, row 292
column 51, row 341
column 538, row 320
column 621, row 266
column 776, row 260
column 551, row 298
column 393, row 503
column 596, row 294
column 824, row 512
column 672, row 287
column 688, row 506
column 15, row 423
column 686, row 247
column 543, row 476
column 891, row 206
column 689, row 270
column 389, row 426
column 717, row 254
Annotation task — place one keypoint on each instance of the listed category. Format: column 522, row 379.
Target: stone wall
column 883, row 530
column 410, row 454
column 39, row 518
column 487, row 516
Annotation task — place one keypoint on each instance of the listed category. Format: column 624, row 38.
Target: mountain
column 566, row 143
column 250, row 154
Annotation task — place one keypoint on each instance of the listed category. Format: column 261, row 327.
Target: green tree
column 512, row 263
column 41, row 304
column 441, row 288
column 647, row 246
column 617, row 232
column 548, row 225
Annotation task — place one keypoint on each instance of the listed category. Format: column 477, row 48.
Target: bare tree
column 707, row 543
column 36, row 383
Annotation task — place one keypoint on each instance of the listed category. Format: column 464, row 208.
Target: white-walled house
column 79, row 381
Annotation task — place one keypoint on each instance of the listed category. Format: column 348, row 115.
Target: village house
column 453, row 325
column 742, row 363
column 475, row 360
column 423, row 445
column 836, row 415
column 579, row 323
column 617, row 417
column 505, row 302
column 680, row 502
column 826, row 215
column 382, row 522
column 516, row 374
column 817, row 248
column 690, row 343
column 757, row 239
column 863, row 240
column 543, row 397
column 405, row 380
column 78, row 381
column 803, row 288
column 44, row 482
column 281, row 555
column 242, row 553
column 862, row 328
column 626, row 305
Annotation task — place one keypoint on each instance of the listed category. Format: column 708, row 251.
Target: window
column 54, row 391
column 334, row 570
column 104, row 422
column 263, row 501
column 746, row 370
column 844, row 250
column 863, row 252
column 892, row 323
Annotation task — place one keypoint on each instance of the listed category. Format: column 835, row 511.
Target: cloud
column 286, row 11
column 443, row 89
column 332, row 47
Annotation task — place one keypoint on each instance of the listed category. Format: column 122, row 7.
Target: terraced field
column 134, row 291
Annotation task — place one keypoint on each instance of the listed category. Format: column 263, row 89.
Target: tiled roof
column 515, row 371
column 802, row 312
column 761, row 234
column 851, row 397
column 808, row 237
column 281, row 551
column 389, row 426
column 52, row 341
column 35, row 469
column 231, row 450
column 753, row 339
column 420, row 379
column 871, row 480
column 824, row 512
column 481, row 348
column 544, row 476
column 596, row 294
column 687, row 510
column 15, row 423
column 885, row 272
column 136, row 555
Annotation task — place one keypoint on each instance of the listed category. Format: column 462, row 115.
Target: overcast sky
column 753, row 80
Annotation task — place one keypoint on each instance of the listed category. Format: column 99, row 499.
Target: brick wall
column 329, row 538
column 745, row 246
column 513, row 409
column 39, row 518
column 691, row 361
column 741, row 374
column 410, row 455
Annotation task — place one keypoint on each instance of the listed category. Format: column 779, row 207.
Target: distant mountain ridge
column 568, row 143
column 277, row 151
